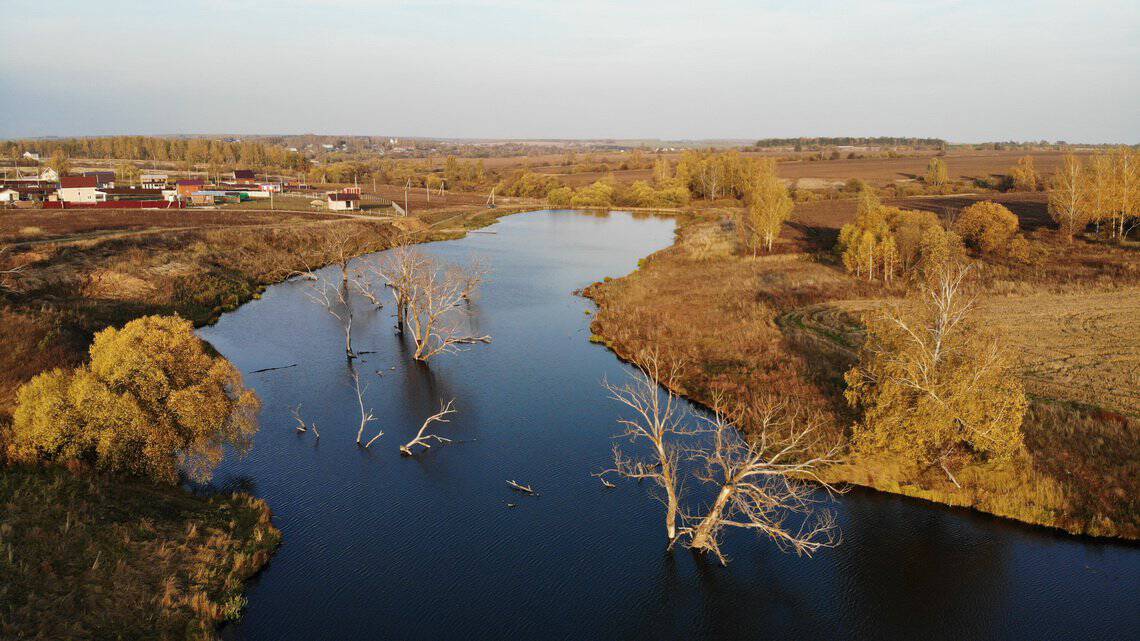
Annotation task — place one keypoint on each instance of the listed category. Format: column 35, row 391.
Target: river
column 381, row 546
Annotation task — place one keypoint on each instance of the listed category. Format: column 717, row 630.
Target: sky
column 967, row 71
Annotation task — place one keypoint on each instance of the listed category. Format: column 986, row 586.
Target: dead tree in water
column 398, row 270
column 335, row 299
column 366, row 417
column 428, row 297
column 421, row 438
column 657, row 419
column 763, row 478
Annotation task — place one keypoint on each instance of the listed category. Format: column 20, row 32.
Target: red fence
column 116, row 204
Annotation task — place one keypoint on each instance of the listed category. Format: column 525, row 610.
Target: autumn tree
column 936, row 172
column 987, row 227
column 60, row 162
column 151, row 401
column 1023, row 175
column 1124, row 192
column 932, row 386
column 1069, row 198
column 768, row 208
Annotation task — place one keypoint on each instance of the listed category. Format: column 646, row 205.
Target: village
column 154, row 190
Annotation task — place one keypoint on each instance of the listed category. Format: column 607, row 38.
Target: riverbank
column 788, row 325
column 70, row 573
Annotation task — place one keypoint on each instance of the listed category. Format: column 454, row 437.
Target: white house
column 49, row 174
column 343, row 202
column 80, row 189
column 9, row 196
column 32, row 156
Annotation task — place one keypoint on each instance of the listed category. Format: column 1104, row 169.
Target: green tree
column 151, row 401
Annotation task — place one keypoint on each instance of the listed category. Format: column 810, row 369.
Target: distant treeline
column 852, row 141
column 218, row 153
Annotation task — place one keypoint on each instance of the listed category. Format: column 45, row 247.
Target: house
column 8, row 195
column 32, row 156
column 153, row 181
column 244, row 176
column 49, row 174
column 189, row 186
column 104, row 179
column 79, row 189
column 343, row 202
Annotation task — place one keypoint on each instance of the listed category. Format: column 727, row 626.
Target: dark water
column 380, row 546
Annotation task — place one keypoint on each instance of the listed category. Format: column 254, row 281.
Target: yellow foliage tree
column 987, row 226
column 936, row 172
column 1024, row 174
column 1068, row 197
column 932, row 386
column 151, row 401
column 768, row 208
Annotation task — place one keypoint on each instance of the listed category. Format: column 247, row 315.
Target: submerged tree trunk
column 702, row 538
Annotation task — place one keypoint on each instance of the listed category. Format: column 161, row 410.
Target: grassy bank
column 789, row 324
column 92, row 556
column 85, row 556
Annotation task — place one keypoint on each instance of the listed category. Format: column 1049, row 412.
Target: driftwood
column 421, row 438
column 271, row 369
column 519, row 487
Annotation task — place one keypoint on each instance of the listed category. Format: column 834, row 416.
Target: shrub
column 560, row 197
column 151, row 401
column 599, row 194
column 987, row 227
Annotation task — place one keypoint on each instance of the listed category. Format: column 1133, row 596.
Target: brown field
column 22, row 225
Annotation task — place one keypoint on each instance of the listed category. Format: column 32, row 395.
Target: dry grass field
column 88, row 557
column 23, row 225
column 1082, row 347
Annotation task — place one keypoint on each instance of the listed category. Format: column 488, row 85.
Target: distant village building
column 153, row 181
column 339, row 201
column 189, row 186
column 244, row 176
column 103, row 179
column 79, row 189
column 49, row 174
column 31, row 156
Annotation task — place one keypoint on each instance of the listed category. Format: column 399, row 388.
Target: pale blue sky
column 962, row 70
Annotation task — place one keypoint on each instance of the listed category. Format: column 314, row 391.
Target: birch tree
column 1068, row 198
column 932, row 386
column 770, row 206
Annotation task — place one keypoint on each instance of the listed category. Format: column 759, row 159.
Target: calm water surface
column 380, row 546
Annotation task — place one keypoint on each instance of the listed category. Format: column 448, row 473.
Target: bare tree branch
column 421, row 438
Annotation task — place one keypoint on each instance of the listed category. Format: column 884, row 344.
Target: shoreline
column 863, row 472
